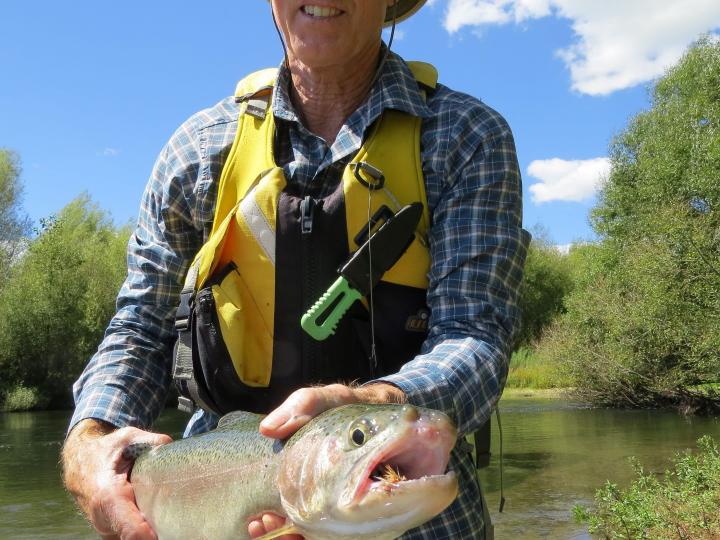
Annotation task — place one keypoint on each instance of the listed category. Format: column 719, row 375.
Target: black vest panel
column 311, row 244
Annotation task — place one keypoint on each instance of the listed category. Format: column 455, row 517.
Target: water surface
column 556, row 455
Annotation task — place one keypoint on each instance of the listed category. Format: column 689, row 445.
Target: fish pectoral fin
column 287, row 529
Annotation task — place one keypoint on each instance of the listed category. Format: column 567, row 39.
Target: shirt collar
column 396, row 88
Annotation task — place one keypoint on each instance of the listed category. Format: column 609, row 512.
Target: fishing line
column 373, row 355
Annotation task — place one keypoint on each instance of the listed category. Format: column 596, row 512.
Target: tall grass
column 529, row 369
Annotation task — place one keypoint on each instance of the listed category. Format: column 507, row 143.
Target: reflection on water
column 556, row 455
column 33, row 504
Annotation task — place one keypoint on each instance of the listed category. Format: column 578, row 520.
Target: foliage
column 644, row 316
column 531, row 369
column 684, row 503
column 22, row 398
column 59, row 299
column 14, row 224
column 546, row 281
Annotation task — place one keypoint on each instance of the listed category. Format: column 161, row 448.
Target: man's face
column 324, row 33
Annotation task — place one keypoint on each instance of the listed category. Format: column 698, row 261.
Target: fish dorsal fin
column 287, row 529
column 238, row 417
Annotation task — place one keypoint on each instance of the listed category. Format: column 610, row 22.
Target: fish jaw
column 421, row 487
column 414, row 442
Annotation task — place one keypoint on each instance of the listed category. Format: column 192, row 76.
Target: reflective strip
column 258, row 224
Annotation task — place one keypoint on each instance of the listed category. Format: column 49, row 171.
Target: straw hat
column 405, row 8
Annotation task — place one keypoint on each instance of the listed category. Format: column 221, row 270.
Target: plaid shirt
column 476, row 241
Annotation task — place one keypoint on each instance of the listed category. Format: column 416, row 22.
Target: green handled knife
column 357, row 277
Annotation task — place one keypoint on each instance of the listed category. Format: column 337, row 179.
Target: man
column 337, row 81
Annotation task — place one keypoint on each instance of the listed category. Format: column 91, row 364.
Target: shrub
column 684, row 503
column 22, row 398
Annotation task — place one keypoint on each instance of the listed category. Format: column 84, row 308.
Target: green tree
column 643, row 323
column 58, row 301
column 547, row 280
column 14, row 224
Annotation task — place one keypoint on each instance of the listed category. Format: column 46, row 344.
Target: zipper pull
column 307, row 212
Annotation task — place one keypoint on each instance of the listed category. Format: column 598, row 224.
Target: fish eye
column 358, row 436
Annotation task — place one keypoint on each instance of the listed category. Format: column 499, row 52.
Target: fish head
column 368, row 471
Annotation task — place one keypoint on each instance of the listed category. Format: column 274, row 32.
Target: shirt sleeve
column 126, row 381
column 478, row 249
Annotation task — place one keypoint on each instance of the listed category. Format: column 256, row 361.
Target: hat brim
column 404, row 9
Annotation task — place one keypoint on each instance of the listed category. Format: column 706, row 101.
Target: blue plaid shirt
column 476, row 241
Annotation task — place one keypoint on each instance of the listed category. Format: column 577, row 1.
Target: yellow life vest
column 238, row 260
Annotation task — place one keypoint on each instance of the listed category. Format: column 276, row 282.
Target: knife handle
column 329, row 309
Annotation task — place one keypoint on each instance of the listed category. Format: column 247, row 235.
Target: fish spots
column 132, row 451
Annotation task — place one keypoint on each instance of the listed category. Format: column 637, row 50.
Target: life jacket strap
column 183, row 371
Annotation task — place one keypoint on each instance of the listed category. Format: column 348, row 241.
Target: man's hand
column 306, row 403
column 95, row 473
column 298, row 409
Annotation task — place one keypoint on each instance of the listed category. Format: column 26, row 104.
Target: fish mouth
column 416, row 460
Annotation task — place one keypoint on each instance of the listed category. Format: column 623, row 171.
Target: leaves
column 643, row 318
column 59, row 298
column 683, row 503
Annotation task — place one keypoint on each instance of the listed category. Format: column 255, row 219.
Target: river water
column 556, row 454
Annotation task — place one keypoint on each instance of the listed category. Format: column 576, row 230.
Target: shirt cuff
column 463, row 377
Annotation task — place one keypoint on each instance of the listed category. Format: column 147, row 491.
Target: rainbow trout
column 357, row 471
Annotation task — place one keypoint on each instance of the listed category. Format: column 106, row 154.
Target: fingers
column 122, row 517
column 96, row 474
column 306, row 403
column 269, row 522
column 303, row 405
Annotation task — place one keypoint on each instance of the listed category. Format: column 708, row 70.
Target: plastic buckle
column 377, row 176
column 186, row 405
column 182, row 324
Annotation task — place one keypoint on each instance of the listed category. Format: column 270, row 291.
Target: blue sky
column 90, row 91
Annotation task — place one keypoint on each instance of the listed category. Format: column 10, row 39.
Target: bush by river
column 683, row 503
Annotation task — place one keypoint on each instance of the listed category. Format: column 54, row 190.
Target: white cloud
column 619, row 43
column 563, row 180
column 110, row 152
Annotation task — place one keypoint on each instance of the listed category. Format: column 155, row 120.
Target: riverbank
column 535, row 393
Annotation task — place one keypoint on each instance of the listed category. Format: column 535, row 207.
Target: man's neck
column 325, row 97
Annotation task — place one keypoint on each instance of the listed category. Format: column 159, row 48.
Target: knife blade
column 362, row 271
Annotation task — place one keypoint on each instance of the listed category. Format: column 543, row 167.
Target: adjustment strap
column 187, row 296
column 183, row 372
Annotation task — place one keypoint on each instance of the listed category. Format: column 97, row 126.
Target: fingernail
column 274, row 420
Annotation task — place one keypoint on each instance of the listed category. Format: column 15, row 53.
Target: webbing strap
column 183, row 371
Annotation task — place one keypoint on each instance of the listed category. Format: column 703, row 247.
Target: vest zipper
column 307, row 213
column 310, row 346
